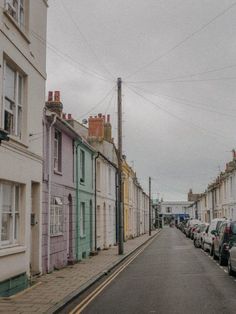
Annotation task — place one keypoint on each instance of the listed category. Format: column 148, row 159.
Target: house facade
column 22, row 94
column 59, row 188
column 100, row 137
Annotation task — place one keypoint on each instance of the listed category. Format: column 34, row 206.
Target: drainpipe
column 49, row 187
column 77, row 201
column 95, row 202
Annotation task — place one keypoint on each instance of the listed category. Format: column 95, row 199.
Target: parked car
column 208, row 237
column 189, row 225
column 224, row 238
column 199, row 234
column 232, row 257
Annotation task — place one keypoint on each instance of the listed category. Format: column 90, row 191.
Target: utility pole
column 150, row 206
column 120, row 184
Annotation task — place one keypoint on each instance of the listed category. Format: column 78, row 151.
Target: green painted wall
column 85, row 194
column 13, row 285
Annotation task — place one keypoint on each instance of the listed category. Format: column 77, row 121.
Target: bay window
column 13, row 100
column 16, row 9
column 9, row 213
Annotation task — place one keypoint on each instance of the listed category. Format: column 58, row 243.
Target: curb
column 70, row 297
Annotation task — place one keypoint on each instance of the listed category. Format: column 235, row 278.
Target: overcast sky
column 177, row 60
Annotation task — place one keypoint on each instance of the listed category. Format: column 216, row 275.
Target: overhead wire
column 189, row 104
column 184, row 76
column 85, row 39
column 180, row 43
column 191, row 124
column 97, row 104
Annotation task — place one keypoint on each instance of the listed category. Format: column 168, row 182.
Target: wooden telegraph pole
column 120, row 184
column 150, row 207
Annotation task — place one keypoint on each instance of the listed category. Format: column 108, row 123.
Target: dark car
column 223, row 241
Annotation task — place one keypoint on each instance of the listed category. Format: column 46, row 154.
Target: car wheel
column 214, row 254
column 221, row 260
column 230, row 270
column 195, row 243
column 212, row 251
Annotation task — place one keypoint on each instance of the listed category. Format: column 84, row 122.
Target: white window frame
column 57, row 154
column 56, row 217
column 82, row 219
column 14, row 215
column 14, row 9
column 16, row 102
column 82, row 166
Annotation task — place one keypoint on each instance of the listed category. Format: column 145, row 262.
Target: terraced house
column 22, row 93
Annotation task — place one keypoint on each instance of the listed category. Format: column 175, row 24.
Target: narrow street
column 170, row 276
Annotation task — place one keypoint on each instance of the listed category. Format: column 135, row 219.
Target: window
column 169, row 209
column 231, row 186
column 82, row 166
column 16, row 9
column 13, row 100
column 98, row 176
column 109, row 180
column 57, row 151
column 82, row 219
column 56, row 219
column 9, row 213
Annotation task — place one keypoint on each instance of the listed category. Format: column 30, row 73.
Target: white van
column 208, row 237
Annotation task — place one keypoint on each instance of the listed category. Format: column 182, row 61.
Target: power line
column 85, row 39
column 204, row 26
column 179, row 118
column 178, row 100
column 184, row 76
column 97, row 104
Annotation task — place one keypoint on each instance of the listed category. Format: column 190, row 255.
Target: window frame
column 17, row 101
column 82, row 219
column 57, row 153
column 11, row 10
column 82, row 166
column 14, row 214
column 56, row 217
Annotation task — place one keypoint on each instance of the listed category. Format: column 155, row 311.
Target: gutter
column 49, row 188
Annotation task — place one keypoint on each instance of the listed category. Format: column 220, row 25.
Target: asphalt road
column 170, row 276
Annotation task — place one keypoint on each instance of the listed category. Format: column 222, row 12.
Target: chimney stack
column 108, row 130
column 96, row 127
column 54, row 104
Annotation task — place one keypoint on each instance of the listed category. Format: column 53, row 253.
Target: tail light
column 228, row 230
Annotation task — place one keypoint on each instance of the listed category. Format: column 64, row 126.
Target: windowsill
column 83, row 236
column 56, row 235
column 23, row 33
column 4, row 251
column 17, row 140
column 59, row 173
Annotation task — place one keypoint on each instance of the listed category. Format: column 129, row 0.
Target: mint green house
column 84, row 161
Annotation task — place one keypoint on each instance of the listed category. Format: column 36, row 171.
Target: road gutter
column 76, row 293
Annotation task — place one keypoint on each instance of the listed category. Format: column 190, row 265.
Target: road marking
column 83, row 304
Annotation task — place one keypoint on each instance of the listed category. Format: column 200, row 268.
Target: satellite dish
column 84, row 121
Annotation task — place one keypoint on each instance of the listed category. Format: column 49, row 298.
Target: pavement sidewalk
column 53, row 290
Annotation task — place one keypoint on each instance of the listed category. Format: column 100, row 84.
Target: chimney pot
column 69, row 116
column 99, row 115
column 57, row 96
column 108, row 118
column 50, row 96
column 64, row 116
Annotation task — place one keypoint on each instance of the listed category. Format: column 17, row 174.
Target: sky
column 177, row 61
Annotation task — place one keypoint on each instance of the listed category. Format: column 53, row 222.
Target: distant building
column 176, row 210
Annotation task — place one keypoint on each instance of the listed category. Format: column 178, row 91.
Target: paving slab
column 52, row 291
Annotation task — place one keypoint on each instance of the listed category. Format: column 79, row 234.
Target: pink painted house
column 59, row 193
